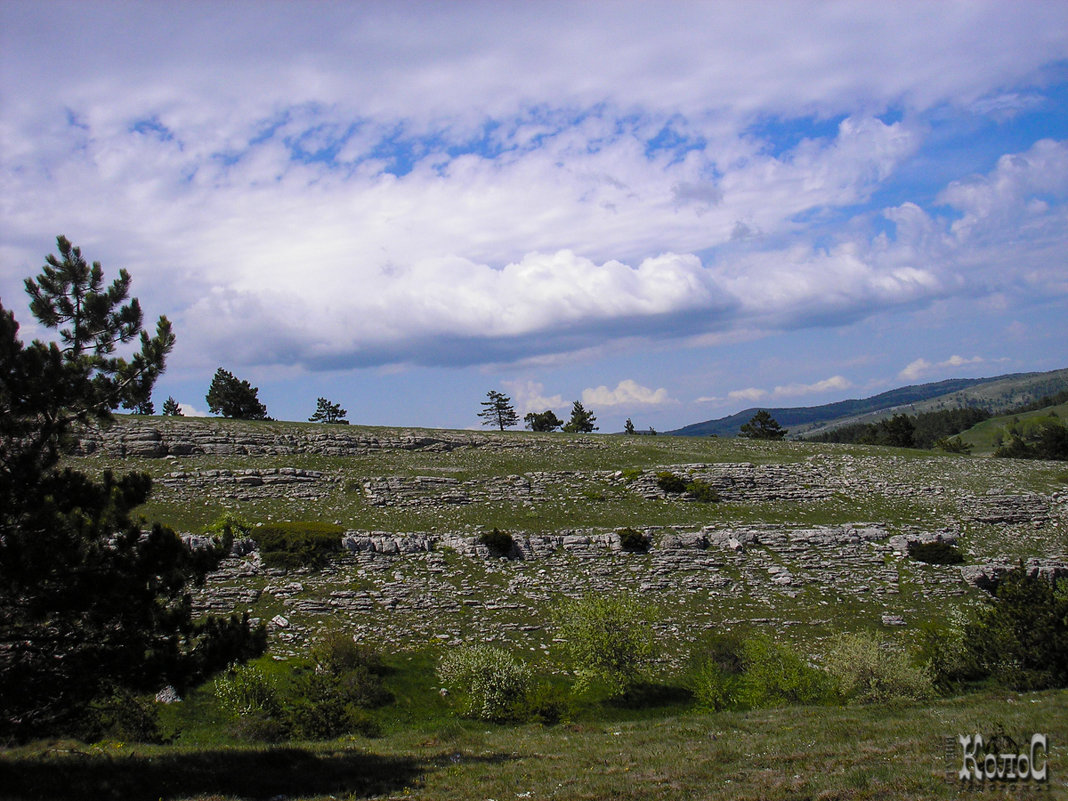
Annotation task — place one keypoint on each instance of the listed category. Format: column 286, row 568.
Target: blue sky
column 669, row 211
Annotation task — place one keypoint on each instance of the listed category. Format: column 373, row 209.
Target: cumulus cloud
column 442, row 188
column 921, row 367
column 626, row 393
column 749, row 394
column 529, row 396
column 831, row 384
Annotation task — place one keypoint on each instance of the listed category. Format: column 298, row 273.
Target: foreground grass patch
column 852, row 753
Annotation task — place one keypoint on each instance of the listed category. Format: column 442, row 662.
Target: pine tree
column 582, row 421
column 232, row 397
column 762, row 426
column 498, row 411
column 628, row 427
column 171, row 408
column 543, row 421
column 327, row 412
column 90, row 603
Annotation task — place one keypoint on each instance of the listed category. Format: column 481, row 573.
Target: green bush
column 946, row 658
column 868, row 671
column 500, row 543
column 773, row 674
column 632, row 540
column 702, row 492
column 718, row 665
column 489, row 683
column 714, row 687
column 544, row 703
column 609, row 642
column 935, row 553
column 289, row 545
column 671, row 483
column 1021, row 637
column 122, row 716
column 331, row 698
column 246, row 690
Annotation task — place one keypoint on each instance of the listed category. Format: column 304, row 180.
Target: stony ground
column 807, row 539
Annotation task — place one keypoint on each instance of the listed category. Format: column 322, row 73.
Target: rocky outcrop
column 203, row 437
column 986, row 576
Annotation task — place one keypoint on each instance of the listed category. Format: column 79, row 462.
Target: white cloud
column 189, row 410
column 627, row 393
column 529, row 396
column 922, row 367
column 450, row 184
column 831, row 384
column 748, row 394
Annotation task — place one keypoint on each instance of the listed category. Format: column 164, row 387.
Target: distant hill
column 996, row 394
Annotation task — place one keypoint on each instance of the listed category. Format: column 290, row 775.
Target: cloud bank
column 360, row 185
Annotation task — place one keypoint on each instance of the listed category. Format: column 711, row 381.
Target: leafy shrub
column 1021, row 636
column 122, row 716
column 632, row 474
column 714, row 687
column 290, row 545
column 719, row 664
column 773, row 674
column 935, row 553
column 868, row 671
column 671, row 483
column 500, row 543
column 337, row 653
column 331, row 698
column 608, row 640
column 702, row 492
column 489, row 682
column 544, row 703
column 632, row 540
column 946, row 658
column 325, row 705
column 246, row 690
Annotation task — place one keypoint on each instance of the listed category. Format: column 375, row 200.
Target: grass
column 850, row 753
column 985, row 437
column 662, row 750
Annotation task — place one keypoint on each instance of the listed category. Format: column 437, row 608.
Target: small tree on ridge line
column 498, row 411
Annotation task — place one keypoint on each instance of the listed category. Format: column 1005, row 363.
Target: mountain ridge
column 996, row 393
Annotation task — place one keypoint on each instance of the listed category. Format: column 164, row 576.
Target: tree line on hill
column 1041, row 438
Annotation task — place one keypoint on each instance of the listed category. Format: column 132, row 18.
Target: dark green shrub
column 500, row 543
column 950, row 664
column 324, row 705
column 702, row 492
column 1021, row 637
column 544, row 703
column 331, row 698
column 715, row 688
column 122, row 716
column 671, row 483
column 935, row 553
column 289, row 545
column 337, row 653
column 633, row 540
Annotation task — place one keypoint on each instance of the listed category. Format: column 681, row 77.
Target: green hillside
column 995, row 394
column 987, row 436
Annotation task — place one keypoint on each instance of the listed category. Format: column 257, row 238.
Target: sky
column 668, row 211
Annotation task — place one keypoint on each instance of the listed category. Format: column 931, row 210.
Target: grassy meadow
column 655, row 744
